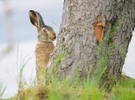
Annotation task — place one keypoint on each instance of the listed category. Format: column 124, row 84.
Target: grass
column 89, row 90
column 79, row 90
column 2, row 90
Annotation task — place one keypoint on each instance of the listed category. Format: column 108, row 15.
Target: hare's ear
column 39, row 20
column 36, row 19
column 33, row 17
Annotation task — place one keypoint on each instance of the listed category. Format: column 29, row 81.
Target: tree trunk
column 77, row 51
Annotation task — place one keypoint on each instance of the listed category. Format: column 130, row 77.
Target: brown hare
column 45, row 46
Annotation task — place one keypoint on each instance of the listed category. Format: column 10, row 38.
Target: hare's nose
column 54, row 37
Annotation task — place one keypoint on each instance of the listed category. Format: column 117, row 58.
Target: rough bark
column 77, row 50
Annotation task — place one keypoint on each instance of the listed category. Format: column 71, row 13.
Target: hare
column 45, row 46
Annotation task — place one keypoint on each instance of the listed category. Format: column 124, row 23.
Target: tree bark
column 77, row 51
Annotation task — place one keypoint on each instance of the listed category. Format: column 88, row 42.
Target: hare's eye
column 53, row 34
column 43, row 30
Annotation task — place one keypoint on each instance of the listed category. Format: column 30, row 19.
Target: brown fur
column 43, row 51
column 99, row 27
column 45, row 46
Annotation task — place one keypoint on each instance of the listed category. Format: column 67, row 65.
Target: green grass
column 124, row 90
column 59, row 58
column 80, row 90
column 87, row 89
column 2, row 90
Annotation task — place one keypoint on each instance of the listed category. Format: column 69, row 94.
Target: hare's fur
column 43, row 51
column 45, row 46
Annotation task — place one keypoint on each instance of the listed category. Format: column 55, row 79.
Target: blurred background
column 18, row 41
